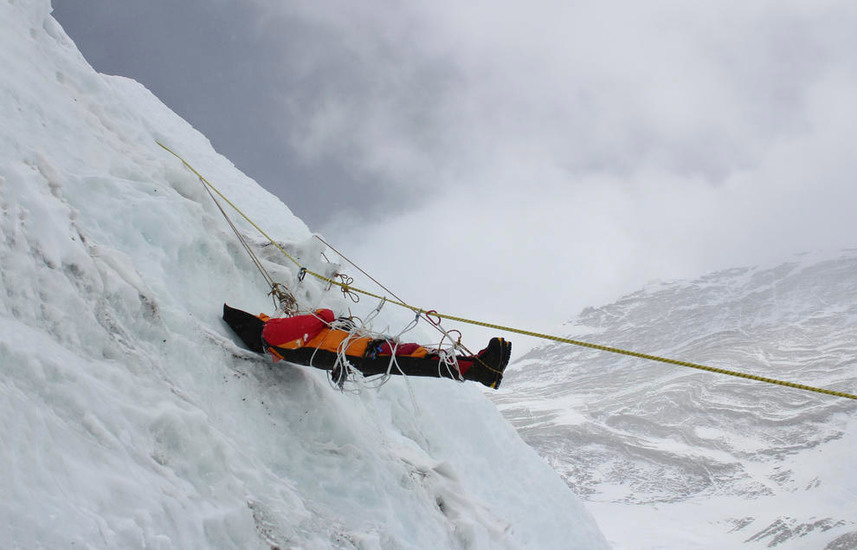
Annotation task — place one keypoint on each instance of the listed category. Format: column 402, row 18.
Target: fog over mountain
column 671, row 457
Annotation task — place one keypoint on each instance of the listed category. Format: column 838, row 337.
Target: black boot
column 489, row 364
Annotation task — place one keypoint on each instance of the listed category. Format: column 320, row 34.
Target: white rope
column 344, row 372
column 347, row 378
column 448, row 356
column 425, row 314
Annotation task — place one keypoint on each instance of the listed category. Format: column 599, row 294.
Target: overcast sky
column 518, row 161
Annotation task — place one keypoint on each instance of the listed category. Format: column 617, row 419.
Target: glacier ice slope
column 671, row 457
column 130, row 419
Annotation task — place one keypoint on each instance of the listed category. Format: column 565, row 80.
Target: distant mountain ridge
column 630, row 435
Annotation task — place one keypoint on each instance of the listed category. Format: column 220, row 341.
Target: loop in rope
column 345, row 286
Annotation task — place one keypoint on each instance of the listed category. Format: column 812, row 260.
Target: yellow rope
column 350, row 289
column 653, row 357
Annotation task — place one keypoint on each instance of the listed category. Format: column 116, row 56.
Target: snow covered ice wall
column 128, row 416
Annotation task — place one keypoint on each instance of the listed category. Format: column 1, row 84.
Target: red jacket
column 312, row 331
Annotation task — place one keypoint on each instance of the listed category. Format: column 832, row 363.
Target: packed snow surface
column 130, row 417
column 671, row 457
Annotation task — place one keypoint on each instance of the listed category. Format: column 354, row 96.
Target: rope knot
column 345, row 286
column 283, row 298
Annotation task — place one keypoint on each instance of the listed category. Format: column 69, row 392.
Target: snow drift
column 131, row 419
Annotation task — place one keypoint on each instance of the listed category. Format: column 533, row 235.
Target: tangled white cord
column 346, row 377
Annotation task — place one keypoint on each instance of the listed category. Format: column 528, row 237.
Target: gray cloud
column 509, row 152
column 235, row 76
